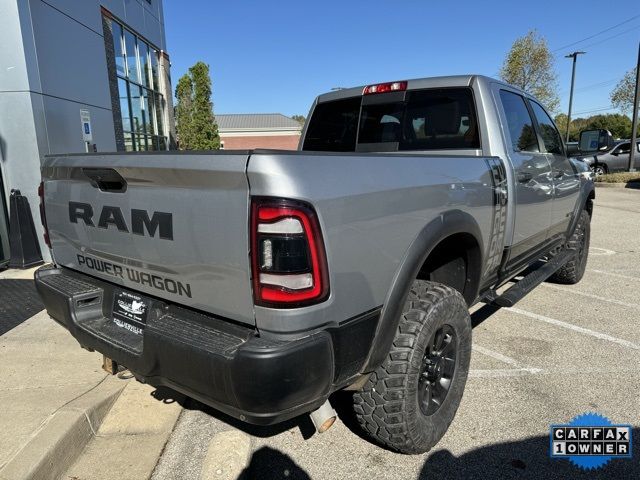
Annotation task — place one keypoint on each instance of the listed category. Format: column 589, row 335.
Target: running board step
column 514, row 294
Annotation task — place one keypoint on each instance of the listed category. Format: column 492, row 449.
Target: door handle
column 106, row 179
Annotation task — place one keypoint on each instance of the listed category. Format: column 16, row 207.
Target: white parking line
column 600, row 251
column 510, row 372
column 575, row 328
column 590, row 295
column 619, row 275
column 503, row 358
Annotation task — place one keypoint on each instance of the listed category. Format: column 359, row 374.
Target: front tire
column 409, row 402
column 573, row 271
column 599, row 169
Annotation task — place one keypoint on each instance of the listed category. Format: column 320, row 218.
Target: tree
column 195, row 124
column 299, row 118
column 619, row 125
column 183, row 111
column 529, row 65
column 622, row 95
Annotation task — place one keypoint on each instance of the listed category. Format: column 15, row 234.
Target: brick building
column 258, row 130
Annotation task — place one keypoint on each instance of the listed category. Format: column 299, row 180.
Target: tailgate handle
column 106, row 179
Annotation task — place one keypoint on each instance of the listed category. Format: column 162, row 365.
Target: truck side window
column 624, row 148
column 519, row 122
column 548, row 130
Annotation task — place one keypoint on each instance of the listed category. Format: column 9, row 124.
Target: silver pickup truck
column 260, row 282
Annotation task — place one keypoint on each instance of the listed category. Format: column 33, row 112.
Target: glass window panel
column 519, row 123
column 128, row 142
column 118, row 50
column 334, row 126
column 550, row 135
column 124, row 105
column 154, row 68
column 132, row 64
column 153, row 143
column 141, row 141
column 147, row 112
column 159, row 111
column 137, row 108
column 143, row 51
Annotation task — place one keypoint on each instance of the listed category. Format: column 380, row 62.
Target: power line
column 611, row 37
column 603, row 109
column 594, row 85
column 597, row 34
column 598, row 85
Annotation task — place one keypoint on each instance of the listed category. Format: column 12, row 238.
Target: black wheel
column 599, row 169
column 572, row 271
column 409, row 402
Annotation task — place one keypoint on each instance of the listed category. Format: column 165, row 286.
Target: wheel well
column 457, row 262
column 603, row 165
column 589, row 204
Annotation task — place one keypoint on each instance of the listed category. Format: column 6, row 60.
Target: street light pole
column 573, row 55
column 634, row 128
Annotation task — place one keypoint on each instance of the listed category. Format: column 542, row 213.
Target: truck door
column 532, row 175
column 566, row 184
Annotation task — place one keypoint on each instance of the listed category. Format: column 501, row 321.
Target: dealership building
column 76, row 76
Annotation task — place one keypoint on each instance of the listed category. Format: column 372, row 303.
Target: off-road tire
column 388, row 407
column 573, row 271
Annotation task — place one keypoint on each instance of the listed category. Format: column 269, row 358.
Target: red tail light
column 289, row 264
column 43, row 216
column 385, row 87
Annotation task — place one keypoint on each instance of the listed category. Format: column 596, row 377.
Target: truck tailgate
column 173, row 225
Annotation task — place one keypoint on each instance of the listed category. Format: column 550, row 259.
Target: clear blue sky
column 277, row 56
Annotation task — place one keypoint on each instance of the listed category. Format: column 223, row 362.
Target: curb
column 631, row 186
column 63, row 436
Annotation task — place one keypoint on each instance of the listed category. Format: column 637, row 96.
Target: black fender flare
column 587, row 191
column 447, row 224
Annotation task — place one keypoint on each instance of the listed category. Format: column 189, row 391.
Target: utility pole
column 634, row 128
column 573, row 55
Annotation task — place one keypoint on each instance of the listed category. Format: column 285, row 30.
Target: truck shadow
column 303, row 422
column 341, row 401
column 522, row 459
column 268, row 463
column 19, row 301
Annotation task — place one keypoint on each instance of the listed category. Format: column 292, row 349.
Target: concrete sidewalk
column 61, row 412
column 41, row 369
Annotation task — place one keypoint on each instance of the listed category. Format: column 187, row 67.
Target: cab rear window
column 434, row 119
column 431, row 119
column 333, row 126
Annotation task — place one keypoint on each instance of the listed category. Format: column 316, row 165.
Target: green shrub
column 622, row 177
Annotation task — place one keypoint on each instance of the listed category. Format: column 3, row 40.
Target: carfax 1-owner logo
column 590, row 441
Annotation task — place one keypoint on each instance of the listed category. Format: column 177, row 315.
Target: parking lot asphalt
column 560, row 352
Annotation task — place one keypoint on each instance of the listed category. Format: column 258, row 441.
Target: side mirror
column 595, row 140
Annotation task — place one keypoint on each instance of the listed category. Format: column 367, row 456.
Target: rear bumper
column 225, row 365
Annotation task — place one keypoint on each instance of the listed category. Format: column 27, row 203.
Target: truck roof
column 419, row 83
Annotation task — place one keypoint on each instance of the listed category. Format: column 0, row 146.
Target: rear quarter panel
column 371, row 209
